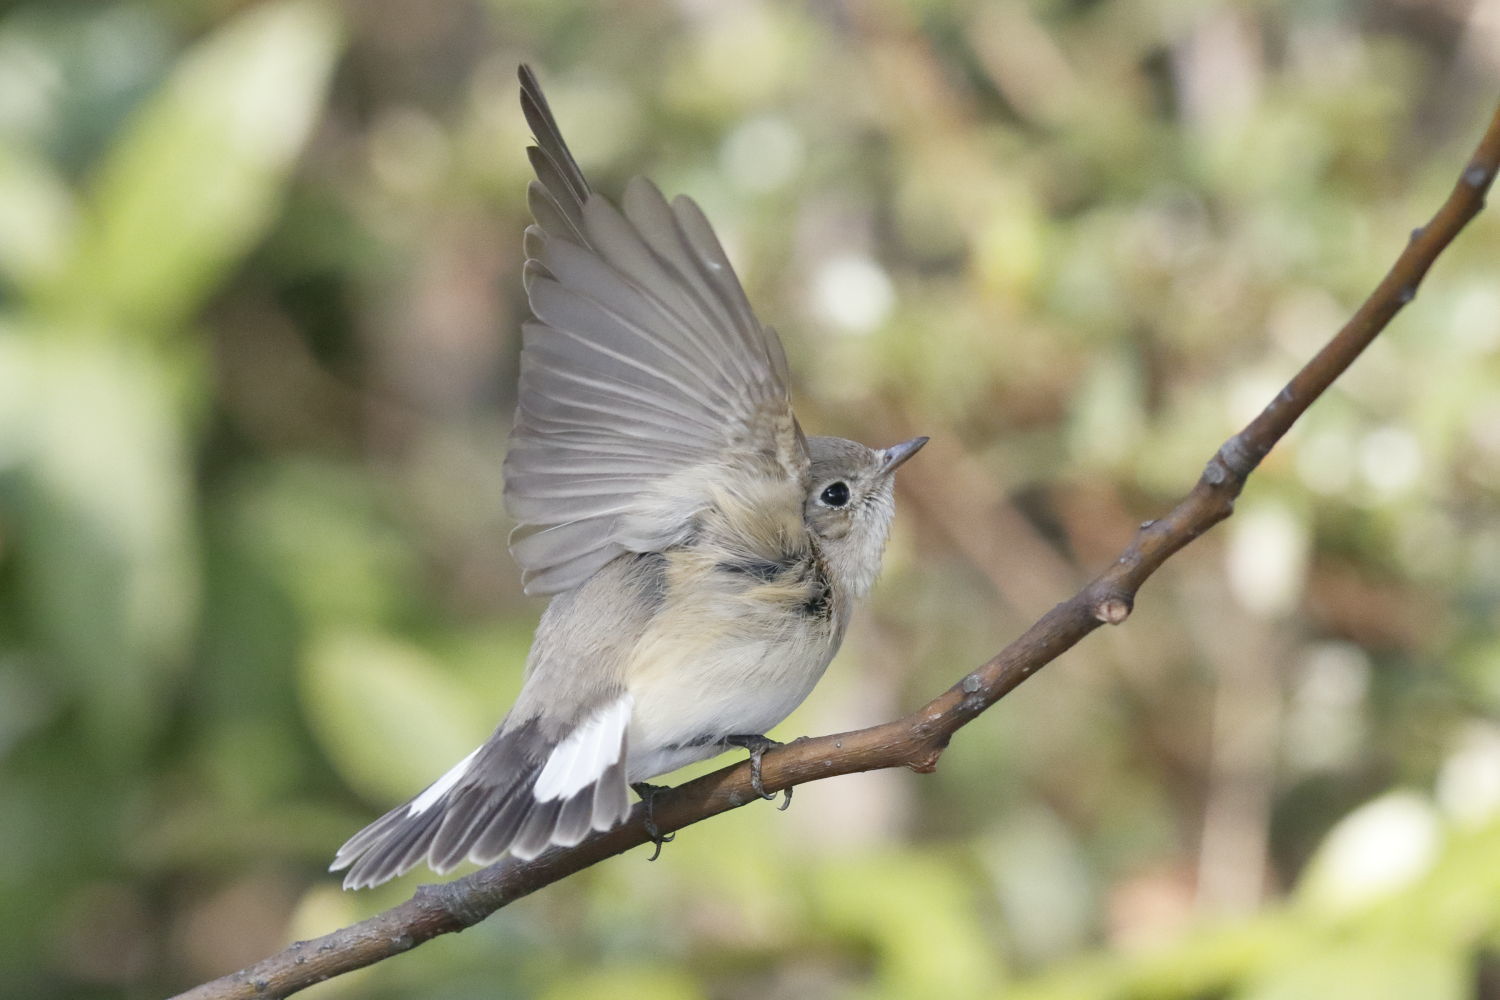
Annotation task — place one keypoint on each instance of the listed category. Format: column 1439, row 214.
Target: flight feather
column 645, row 366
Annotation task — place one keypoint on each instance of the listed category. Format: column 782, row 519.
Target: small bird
column 703, row 554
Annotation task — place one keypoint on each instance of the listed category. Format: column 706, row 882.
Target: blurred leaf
column 107, row 528
column 626, row 983
column 18, row 386
column 1369, row 970
column 196, row 178
column 1108, row 410
column 323, row 532
column 1378, row 849
column 391, row 719
column 1041, row 880
column 37, row 216
column 920, row 914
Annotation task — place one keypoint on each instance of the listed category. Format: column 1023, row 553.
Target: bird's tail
column 517, row 794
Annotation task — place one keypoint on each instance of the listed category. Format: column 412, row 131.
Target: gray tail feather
column 481, row 818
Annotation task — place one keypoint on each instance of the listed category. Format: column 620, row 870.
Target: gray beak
column 898, row 453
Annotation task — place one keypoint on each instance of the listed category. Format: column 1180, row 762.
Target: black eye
column 835, row 494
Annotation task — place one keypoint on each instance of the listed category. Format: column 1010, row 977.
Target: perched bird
column 702, row 554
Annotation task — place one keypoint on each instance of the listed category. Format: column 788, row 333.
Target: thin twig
column 918, row 740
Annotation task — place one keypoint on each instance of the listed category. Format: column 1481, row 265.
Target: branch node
column 1113, row 609
column 1418, row 233
column 1236, row 458
column 927, row 763
column 1146, row 525
column 1406, row 293
column 1477, row 176
column 971, row 683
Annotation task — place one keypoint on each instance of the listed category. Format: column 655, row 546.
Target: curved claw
column 755, row 781
column 648, row 795
column 758, row 745
column 657, row 839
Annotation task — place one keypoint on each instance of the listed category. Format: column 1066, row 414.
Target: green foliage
column 195, row 177
column 259, row 311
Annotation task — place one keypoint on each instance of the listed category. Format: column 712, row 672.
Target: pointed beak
column 898, row 453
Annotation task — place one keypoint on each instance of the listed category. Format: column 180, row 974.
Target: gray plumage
column 702, row 553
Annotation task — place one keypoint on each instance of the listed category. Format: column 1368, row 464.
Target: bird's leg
column 758, row 745
column 648, row 794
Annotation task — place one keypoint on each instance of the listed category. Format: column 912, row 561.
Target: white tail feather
column 581, row 758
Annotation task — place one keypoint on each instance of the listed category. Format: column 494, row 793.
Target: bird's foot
column 758, row 745
column 648, row 795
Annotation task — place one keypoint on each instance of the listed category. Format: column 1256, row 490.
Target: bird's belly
column 693, row 689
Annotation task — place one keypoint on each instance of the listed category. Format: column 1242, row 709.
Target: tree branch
column 918, row 740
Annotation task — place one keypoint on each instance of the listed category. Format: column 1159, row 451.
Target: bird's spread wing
column 644, row 372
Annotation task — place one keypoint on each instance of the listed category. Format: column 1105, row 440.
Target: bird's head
column 850, row 505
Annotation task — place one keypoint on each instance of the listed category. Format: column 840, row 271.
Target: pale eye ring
column 834, row 495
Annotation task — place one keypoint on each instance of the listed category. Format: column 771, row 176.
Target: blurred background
column 259, row 310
